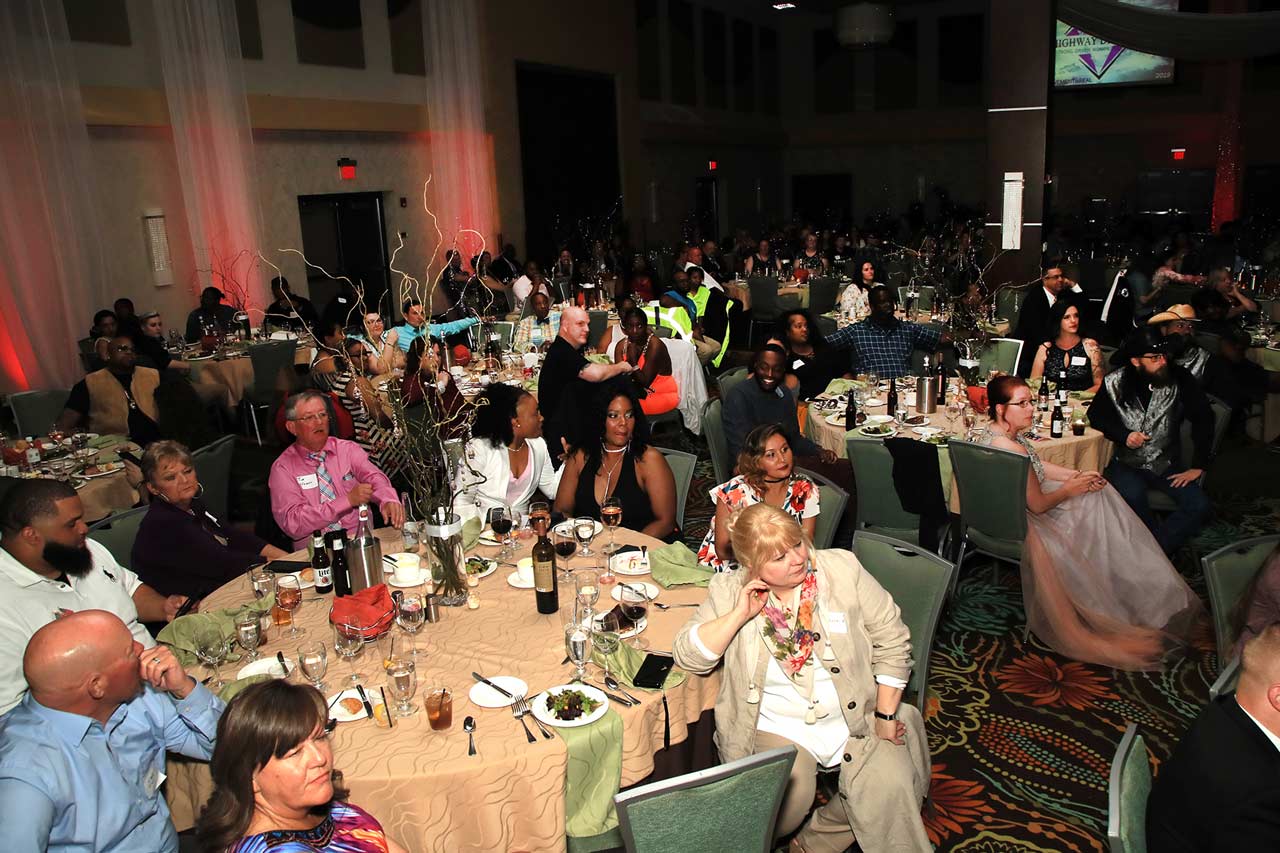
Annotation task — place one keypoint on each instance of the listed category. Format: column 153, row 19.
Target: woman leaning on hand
column 815, row 655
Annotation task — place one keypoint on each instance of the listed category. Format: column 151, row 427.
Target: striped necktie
column 325, row 481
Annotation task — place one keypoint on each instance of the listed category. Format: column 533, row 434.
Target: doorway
column 346, row 234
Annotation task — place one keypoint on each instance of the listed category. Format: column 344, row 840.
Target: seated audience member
column 127, row 321
column 151, row 347
column 613, row 334
column 810, row 257
column 427, row 390
column 811, row 364
column 1220, row 790
column 104, row 328
column 640, row 281
column 695, row 260
column 1068, row 351
column 530, row 283
column 568, row 376
column 1211, row 309
column 288, row 309
column 1239, row 302
column 711, row 325
column 329, row 369
column 564, row 267
column 882, row 343
column 766, row 474
column 648, row 355
column 383, row 353
column 763, row 262
column 211, row 314
column 854, row 301
column 610, row 457
column 713, row 261
column 1212, row 372
column 182, row 548
column 371, row 413
column 832, row 689
column 506, row 462
column 119, row 399
column 415, row 325
column 690, row 294
column 1098, row 587
column 82, row 756
column 1259, row 605
column 536, row 328
column 1033, row 316
column 1141, row 408
column 318, row 482
column 49, row 566
column 505, row 267
column 274, row 784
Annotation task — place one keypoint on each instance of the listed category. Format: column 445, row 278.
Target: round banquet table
column 421, row 784
column 740, row 291
column 1267, row 427
column 235, row 374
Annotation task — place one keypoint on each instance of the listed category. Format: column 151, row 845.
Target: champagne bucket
column 364, row 562
column 927, row 394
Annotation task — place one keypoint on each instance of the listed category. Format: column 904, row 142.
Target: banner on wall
column 1082, row 60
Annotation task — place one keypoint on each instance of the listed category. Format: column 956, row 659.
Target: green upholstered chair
column 1159, row 501
column 598, row 323
column 1127, row 793
column 1009, row 304
column 713, row 430
column 1226, row 681
column 272, row 378
column 117, row 533
column 831, row 500
column 923, row 300
column 873, row 475
column 730, row 807
column 823, row 293
column 34, row 412
column 506, row 330
column 993, row 500
column 682, row 465
column 1227, row 573
column 729, row 379
column 919, row 581
column 1000, row 354
column 213, row 470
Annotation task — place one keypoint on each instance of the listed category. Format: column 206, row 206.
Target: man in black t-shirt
column 288, row 309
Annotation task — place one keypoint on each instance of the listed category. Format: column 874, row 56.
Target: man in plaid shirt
column 882, row 343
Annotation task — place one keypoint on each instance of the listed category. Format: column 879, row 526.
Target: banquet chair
column 270, row 361
column 662, row 331
column 823, row 292
column 919, row 582
column 526, row 308
column 730, row 378
column 1226, row 681
column 1009, row 304
column 1000, row 354
column 1127, row 792
column 505, row 330
column 766, row 304
column 34, row 412
column 1159, row 501
column 730, row 807
column 924, row 297
column 993, row 501
column 563, row 288
column 213, row 470
column 599, row 322
column 117, row 531
column 831, row 500
column 873, row 475
column 713, row 429
column 682, row 465
column 1227, row 574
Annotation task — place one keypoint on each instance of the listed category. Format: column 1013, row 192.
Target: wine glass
column 403, row 682
column 263, row 581
column 873, row 382
column 249, row 634
column 211, row 646
column 611, row 515
column 635, row 606
column 604, row 638
column 348, row 642
column 500, row 521
column 289, row 598
column 411, row 613
column 586, row 587
column 314, row 662
column 562, row 540
column 540, row 517
column 584, row 530
column 969, row 419
column 577, row 643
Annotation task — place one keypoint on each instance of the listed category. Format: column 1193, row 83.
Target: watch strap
column 892, row 716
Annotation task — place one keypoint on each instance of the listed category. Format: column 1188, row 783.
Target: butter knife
column 621, row 700
column 283, row 666
column 368, row 706
column 480, row 678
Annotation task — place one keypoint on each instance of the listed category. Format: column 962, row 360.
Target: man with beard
column 1210, row 370
column 82, row 756
column 49, row 568
column 119, row 399
column 882, row 343
column 1141, row 407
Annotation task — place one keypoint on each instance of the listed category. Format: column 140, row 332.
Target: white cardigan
column 482, row 478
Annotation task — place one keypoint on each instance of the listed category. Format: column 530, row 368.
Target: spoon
column 661, row 606
column 469, row 726
column 612, row 684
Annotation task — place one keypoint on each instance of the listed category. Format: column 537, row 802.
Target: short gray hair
column 291, row 405
column 160, row 452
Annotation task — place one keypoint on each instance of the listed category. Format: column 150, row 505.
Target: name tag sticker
column 153, row 780
column 1079, row 360
column 308, row 481
column 837, row 623
column 797, row 364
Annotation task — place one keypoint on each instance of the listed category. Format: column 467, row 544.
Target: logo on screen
column 1090, row 60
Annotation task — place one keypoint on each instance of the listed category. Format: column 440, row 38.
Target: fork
column 526, row 710
column 517, row 711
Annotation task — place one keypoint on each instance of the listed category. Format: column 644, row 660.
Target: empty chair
column 1000, row 354
column 505, row 330
column 713, row 429
column 272, row 378
column 730, row 807
column 923, row 299
column 993, row 500
column 682, row 465
column 117, row 533
column 823, row 293
column 1227, row 574
column 34, row 412
column 766, row 304
column 1127, row 792
column 881, row 511
column 1009, row 304
column 213, row 470
column 832, row 501
column 599, row 322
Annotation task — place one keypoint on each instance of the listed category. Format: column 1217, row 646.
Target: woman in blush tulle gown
column 1096, row 586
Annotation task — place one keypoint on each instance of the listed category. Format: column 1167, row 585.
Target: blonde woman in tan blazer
column 814, row 654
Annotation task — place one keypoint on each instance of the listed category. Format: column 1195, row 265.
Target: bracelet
column 892, row 716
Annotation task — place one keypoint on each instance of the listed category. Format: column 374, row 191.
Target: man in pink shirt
column 319, row 481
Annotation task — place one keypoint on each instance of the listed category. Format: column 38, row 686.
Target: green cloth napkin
column 594, row 775
column 600, row 358
column 471, row 532
column 180, row 634
column 676, row 565
column 107, row 441
column 836, row 387
column 626, row 660
column 228, row 692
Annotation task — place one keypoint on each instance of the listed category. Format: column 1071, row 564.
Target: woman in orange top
column 648, row 354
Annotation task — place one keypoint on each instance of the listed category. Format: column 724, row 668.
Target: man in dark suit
column 1221, row 789
column 1033, row 318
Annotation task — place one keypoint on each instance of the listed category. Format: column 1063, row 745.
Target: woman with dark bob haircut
column 506, row 461
column 611, row 458
column 274, row 786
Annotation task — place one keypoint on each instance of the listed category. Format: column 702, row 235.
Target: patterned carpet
column 1022, row 738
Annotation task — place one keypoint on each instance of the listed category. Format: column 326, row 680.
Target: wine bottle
column 892, row 401
column 1055, row 425
column 942, row 383
column 546, row 590
column 1062, row 387
column 321, row 564
column 341, row 574
column 851, row 412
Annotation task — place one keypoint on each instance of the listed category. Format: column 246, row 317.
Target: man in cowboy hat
column 1141, row 407
column 1178, row 325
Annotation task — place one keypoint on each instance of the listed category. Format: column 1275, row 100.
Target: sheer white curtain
column 204, row 86
column 51, row 258
column 461, row 149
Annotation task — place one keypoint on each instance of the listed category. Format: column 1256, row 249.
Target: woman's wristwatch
column 892, row 716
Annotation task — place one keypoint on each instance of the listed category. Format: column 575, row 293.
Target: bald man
column 82, row 756
column 1221, row 789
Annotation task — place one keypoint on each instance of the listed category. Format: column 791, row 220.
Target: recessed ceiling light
column 781, row 6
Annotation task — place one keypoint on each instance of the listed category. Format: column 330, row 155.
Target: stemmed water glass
column 212, row 647
column 314, row 662
column 411, row 613
column 584, row 530
column 604, row 638
column 289, row 598
column 501, row 522
column 611, row 516
column 586, row 588
column 348, row 642
column 403, row 682
column 249, row 634
column 577, row 643
column 263, row 581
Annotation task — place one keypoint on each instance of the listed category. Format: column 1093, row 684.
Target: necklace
column 608, row 481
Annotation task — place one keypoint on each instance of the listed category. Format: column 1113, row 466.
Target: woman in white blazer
column 506, row 462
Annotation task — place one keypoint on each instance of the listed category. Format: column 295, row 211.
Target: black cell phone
column 653, row 672
column 126, row 455
column 187, row 606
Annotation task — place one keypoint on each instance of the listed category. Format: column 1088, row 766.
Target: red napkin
column 978, row 398
column 370, row 608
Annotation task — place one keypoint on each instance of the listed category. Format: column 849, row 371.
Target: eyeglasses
column 312, row 418
column 1023, row 404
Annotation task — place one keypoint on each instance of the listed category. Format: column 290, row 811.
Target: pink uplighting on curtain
column 204, row 85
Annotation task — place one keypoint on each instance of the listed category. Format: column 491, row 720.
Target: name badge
column 308, row 481
column 154, row 779
column 797, row 364
column 837, row 623
column 1079, row 360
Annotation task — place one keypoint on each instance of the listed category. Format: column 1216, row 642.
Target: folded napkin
column 471, row 532
column 676, row 565
column 626, row 660
column 107, row 441
column 593, row 775
column 836, row 387
column 600, row 358
column 369, row 609
column 180, row 634
column 229, row 691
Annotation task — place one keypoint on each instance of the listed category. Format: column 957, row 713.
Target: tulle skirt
column 1098, row 588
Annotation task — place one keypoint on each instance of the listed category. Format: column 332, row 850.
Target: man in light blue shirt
column 415, row 325
column 82, row 756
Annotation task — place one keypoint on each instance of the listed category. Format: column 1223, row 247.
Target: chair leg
column 253, row 416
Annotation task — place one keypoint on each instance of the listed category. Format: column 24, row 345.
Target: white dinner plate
column 565, row 528
column 492, row 567
column 538, row 705
column 514, row 580
column 487, row 538
column 926, row 431
column 106, row 469
column 863, row 430
column 837, row 420
column 486, row 697
column 302, row 582
column 265, row 666
column 872, row 420
column 873, row 402
column 341, row 714
column 629, row 563
column 651, row 591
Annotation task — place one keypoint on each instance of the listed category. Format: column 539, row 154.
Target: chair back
column 713, row 429
column 662, row 331
column 117, row 533
column 730, row 807
column 1226, row 681
column 526, row 307
column 823, row 293
column 1209, row 342
column 1127, row 792
column 1000, row 354
column 923, row 299
column 729, row 379
column 505, row 331
column 1227, row 574
column 272, row 368
column 1009, row 304
column 873, row 475
column 765, row 305
column 213, row 470
column 682, row 465
column 599, row 322
column 563, row 287
column 993, row 495
column 918, row 580
column 34, row 412
column 831, row 500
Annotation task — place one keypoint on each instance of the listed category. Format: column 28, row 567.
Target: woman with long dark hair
column 811, row 364
column 507, row 462
column 1066, row 349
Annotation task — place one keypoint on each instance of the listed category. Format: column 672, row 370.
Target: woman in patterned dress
column 767, row 475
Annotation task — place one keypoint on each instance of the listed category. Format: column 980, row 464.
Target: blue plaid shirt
column 885, row 349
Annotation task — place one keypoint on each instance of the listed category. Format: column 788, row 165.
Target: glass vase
column 441, row 544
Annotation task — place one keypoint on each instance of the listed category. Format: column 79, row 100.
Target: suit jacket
column 1033, row 323
column 1221, row 789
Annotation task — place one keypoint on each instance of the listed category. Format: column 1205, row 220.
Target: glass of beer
column 439, row 705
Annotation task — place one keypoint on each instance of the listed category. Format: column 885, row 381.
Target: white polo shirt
column 29, row 601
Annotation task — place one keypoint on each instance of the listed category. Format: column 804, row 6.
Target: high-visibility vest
column 700, row 300
column 676, row 319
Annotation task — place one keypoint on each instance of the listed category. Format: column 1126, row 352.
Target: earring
column 199, row 489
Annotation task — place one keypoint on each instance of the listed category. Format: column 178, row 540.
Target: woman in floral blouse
column 767, row 475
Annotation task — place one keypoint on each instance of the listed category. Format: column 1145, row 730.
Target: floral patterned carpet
column 1022, row 738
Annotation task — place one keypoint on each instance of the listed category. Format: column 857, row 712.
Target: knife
column 621, row 700
column 643, row 593
column 480, row 678
column 368, row 706
column 283, row 665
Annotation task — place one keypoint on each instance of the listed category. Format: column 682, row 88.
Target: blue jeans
column 1185, row 521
